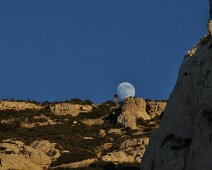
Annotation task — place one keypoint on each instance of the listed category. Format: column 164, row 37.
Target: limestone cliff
column 184, row 139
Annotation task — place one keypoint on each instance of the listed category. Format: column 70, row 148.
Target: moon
column 125, row 90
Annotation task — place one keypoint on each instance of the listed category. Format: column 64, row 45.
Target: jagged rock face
column 155, row 108
column 184, row 140
column 132, row 109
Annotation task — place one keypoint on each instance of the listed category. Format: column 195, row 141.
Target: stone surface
column 17, row 155
column 130, row 151
column 115, row 131
column 118, row 157
column 37, row 156
column 132, row 109
column 155, row 108
column 210, row 26
column 48, row 148
column 134, row 142
column 80, row 164
column 17, row 162
column 184, row 139
column 13, row 105
column 69, row 109
column 47, row 122
column 91, row 122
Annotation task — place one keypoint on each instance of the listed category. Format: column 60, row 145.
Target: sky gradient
column 56, row 50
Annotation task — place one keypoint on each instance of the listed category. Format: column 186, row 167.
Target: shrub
column 74, row 156
column 97, row 112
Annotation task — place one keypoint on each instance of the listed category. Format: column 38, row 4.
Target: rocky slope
column 184, row 139
column 76, row 134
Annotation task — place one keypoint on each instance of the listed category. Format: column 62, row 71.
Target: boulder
column 17, row 155
column 36, row 156
column 48, row 148
column 17, row 162
column 132, row 109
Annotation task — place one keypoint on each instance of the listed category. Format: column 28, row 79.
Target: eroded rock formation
column 132, row 109
column 137, row 108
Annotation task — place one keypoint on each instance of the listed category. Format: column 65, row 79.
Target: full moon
column 125, row 90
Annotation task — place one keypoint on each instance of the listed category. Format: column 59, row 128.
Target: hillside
column 76, row 134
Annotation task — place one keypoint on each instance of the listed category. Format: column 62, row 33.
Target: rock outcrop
column 48, row 148
column 91, row 122
column 184, row 139
column 118, row 157
column 69, row 109
column 210, row 26
column 17, row 155
column 132, row 109
column 80, row 164
column 130, row 151
column 13, row 105
column 155, row 108
column 17, row 162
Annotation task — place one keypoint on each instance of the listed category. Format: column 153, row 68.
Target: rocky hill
column 184, row 139
column 76, row 134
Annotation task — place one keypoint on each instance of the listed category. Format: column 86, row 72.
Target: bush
column 109, row 103
column 98, row 112
column 28, row 113
column 74, row 156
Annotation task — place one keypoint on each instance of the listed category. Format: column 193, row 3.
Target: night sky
column 61, row 49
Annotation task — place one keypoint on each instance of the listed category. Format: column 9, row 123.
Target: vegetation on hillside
column 70, row 133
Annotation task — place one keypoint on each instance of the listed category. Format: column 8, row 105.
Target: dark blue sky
column 62, row 49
